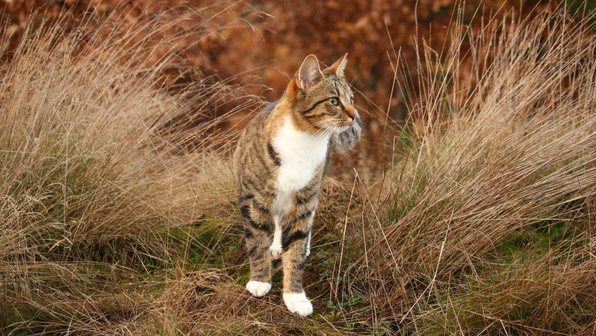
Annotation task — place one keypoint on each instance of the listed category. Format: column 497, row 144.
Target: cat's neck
column 292, row 135
column 301, row 154
column 286, row 108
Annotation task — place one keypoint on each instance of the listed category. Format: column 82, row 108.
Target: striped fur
column 279, row 163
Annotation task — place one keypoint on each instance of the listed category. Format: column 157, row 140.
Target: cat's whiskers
column 328, row 130
column 320, row 131
column 321, row 134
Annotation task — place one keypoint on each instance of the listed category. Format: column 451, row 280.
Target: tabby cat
column 279, row 164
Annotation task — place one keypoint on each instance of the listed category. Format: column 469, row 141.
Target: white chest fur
column 301, row 155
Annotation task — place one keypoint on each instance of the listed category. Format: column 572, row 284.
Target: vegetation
column 118, row 215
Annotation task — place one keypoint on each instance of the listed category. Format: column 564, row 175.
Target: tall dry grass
column 485, row 224
column 94, row 188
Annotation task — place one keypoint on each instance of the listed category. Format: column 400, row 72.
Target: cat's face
column 323, row 100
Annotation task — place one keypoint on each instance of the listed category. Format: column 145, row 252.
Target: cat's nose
column 351, row 113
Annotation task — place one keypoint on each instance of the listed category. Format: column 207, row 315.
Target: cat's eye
column 334, row 101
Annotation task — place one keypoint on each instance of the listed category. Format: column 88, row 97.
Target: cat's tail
column 346, row 140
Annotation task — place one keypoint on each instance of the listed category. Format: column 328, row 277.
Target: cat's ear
column 309, row 72
column 339, row 67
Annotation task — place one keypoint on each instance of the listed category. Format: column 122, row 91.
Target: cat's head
column 321, row 100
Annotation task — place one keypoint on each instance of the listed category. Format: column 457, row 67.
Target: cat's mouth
column 343, row 126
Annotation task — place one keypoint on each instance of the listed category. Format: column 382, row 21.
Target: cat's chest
column 302, row 157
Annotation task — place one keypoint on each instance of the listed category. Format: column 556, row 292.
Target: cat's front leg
column 295, row 240
column 258, row 228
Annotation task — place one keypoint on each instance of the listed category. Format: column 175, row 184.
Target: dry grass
column 512, row 154
column 91, row 190
column 482, row 223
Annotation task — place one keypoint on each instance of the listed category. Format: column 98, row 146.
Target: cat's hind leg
column 276, row 247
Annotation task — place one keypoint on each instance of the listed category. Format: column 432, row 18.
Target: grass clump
column 515, row 155
column 95, row 191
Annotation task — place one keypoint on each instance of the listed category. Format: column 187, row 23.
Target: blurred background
column 260, row 44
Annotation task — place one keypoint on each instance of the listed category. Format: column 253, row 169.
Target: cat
column 279, row 163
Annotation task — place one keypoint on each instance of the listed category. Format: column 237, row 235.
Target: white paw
column 298, row 303
column 275, row 250
column 258, row 288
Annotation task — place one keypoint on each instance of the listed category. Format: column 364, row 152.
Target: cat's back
column 253, row 142
column 255, row 127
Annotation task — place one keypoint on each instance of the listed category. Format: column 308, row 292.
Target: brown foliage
column 260, row 43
